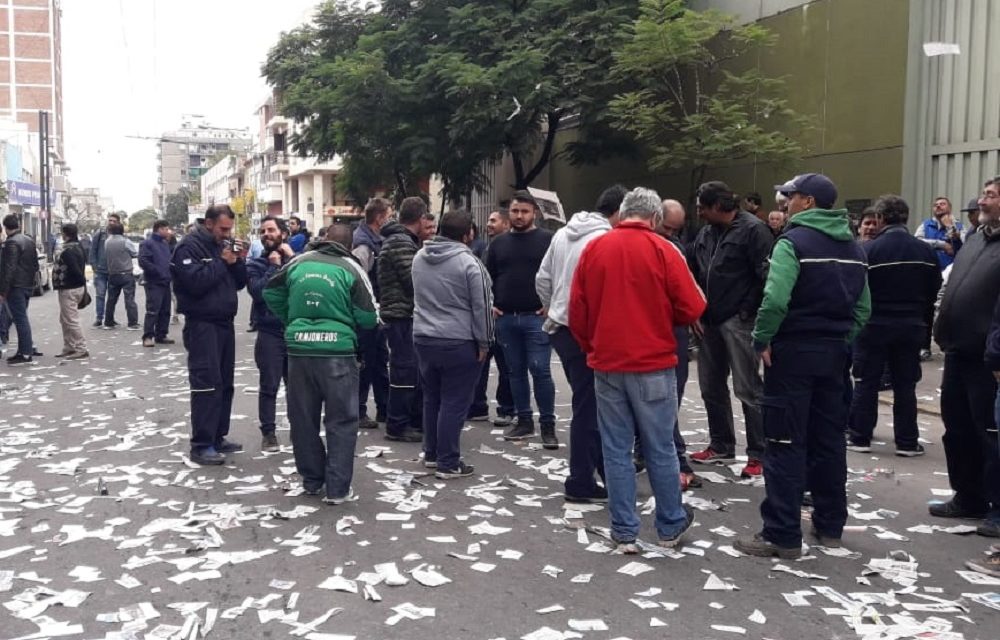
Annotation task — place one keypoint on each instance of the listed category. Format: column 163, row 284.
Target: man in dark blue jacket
column 154, row 260
column 208, row 270
column 269, row 351
column 904, row 278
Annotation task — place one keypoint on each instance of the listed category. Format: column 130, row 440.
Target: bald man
column 341, row 234
column 673, row 221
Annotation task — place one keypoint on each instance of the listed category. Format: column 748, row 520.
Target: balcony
column 278, row 123
column 278, row 160
column 273, row 192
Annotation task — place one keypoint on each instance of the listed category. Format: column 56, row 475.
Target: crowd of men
column 412, row 310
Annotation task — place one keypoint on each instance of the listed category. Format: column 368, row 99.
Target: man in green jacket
column 323, row 298
column 816, row 301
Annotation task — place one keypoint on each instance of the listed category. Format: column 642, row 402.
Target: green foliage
column 142, row 220
column 175, row 209
column 685, row 107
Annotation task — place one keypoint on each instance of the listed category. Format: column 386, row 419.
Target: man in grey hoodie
column 452, row 333
column 553, row 283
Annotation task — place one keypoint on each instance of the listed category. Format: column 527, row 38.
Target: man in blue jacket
column 269, row 351
column 154, row 260
column 208, row 270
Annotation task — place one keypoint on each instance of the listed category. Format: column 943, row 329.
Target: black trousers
column 211, row 349
column 374, row 375
column 406, row 403
column 805, row 413
column 157, row 320
column 271, row 356
column 585, row 451
column 505, row 399
column 968, row 391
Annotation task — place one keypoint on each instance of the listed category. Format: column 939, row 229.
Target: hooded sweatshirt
column 452, row 295
column 817, row 285
column 555, row 275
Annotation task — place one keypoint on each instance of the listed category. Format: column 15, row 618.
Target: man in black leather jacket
column 18, row 266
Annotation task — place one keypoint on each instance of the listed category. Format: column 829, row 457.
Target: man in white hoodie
column 553, row 283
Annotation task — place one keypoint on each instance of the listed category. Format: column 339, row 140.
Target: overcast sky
column 133, row 67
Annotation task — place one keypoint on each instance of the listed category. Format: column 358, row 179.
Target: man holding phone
column 208, row 269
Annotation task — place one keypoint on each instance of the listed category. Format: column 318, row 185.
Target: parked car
column 43, row 279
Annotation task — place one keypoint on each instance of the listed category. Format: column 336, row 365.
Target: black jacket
column 903, row 278
column 70, row 267
column 259, row 273
column 966, row 312
column 18, row 263
column 730, row 266
column 395, row 265
column 154, row 259
column 205, row 285
column 993, row 339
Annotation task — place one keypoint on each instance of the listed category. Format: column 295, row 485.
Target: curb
column 925, row 408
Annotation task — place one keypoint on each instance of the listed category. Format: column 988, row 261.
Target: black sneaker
column 134, row 327
column 910, row 452
column 989, row 529
column 549, row 440
column 269, row 443
column 380, row 417
column 367, row 423
column 19, row 359
column 228, row 446
column 207, row 456
column 670, row 543
column 925, row 355
column 461, row 471
column 522, row 430
column 407, row 435
column 859, row 446
column 825, row 541
column 952, row 509
column 763, row 548
column 165, row 341
column 598, row 496
column 503, row 421
column 640, row 465
column 97, row 323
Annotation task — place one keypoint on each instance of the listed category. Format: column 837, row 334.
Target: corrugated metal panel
column 954, row 136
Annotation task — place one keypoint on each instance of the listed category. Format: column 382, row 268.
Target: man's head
column 219, row 221
column 523, row 210
column 808, row 191
column 869, row 226
column 273, row 232
column 716, row 203
column 116, row 228
column 942, row 207
column 377, row 211
column 891, row 209
column 989, row 204
column 70, row 232
column 411, row 214
column 113, row 218
column 673, row 218
column 11, row 223
column 457, row 226
column 162, row 229
column 776, row 220
column 752, row 202
column 429, row 227
column 497, row 223
column 972, row 210
column 610, row 201
column 341, row 234
column 294, row 224
column 642, row 204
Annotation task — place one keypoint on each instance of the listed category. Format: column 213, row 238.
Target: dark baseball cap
column 972, row 206
column 821, row 188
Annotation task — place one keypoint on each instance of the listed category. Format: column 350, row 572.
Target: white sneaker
column 350, row 497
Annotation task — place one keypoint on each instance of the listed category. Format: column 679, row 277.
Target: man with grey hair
column 631, row 277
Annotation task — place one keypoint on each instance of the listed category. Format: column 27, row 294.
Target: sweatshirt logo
column 315, row 336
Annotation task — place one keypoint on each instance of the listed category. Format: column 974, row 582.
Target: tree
column 175, row 210
column 690, row 107
column 142, row 220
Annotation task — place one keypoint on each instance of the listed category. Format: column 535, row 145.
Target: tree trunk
column 552, row 119
column 519, row 182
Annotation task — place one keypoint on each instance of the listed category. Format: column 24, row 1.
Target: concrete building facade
column 186, row 153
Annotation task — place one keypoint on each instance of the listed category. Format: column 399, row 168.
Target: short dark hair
column 71, row 231
column 216, row 211
column 412, row 210
column 375, row 208
column 282, row 225
column 340, row 233
column 755, row 198
column 869, row 212
column 115, row 216
column 11, row 222
column 116, row 228
column 611, row 199
column 892, row 209
column 715, row 192
column 503, row 212
column 455, row 225
column 992, row 181
column 525, row 197
column 159, row 224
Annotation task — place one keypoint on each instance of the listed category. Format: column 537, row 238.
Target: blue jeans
column 526, row 348
column 647, row 402
column 17, row 300
column 100, row 294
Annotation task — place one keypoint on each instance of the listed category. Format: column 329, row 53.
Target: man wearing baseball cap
column 816, row 301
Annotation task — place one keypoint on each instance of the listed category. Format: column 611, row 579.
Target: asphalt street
column 172, row 548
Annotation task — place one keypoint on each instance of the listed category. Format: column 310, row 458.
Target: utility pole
column 44, row 180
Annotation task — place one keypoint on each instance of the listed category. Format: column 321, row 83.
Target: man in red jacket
column 629, row 290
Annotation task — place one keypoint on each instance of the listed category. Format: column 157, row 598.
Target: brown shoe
column 147, row 342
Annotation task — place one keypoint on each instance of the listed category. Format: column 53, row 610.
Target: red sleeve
column 686, row 297
column 579, row 313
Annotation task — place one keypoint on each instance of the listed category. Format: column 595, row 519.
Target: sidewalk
column 928, row 389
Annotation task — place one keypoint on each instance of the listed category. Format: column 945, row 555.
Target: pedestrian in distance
column 630, row 288
column 815, row 303
column 69, row 279
column 208, row 270
column 18, row 269
column 373, row 349
column 453, row 328
column 868, row 228
column 552, row 284
column 322, row 298
column 118, row 254
column 299, row 235
column 98, row 262
column 269, row 351
column 154, row 260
